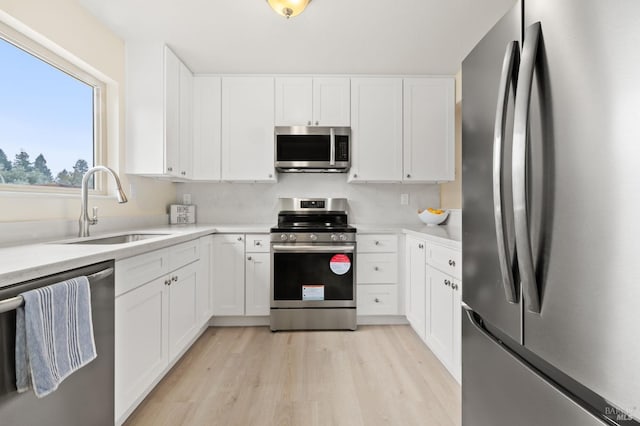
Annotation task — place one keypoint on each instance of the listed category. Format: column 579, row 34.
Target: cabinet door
column 417, row 296
column 228, row 274
column 141, row 341
column 257, row 279
column 331, row 101
column 185, row 142
column 171, row 113
column 206, row 127
column 247, row 129
column 376, row 129
column 440, row 332
column 293, row 101
column 203, row 292
column 183, row 324
column 429, row 144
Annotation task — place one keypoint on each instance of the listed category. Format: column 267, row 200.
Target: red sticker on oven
column 340, row 264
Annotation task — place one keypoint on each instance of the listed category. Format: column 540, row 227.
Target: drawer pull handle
column 249, row 258
column 375, row 268
column 258, row 243
column 376, row 300
column 239, row 238
column 377, row 243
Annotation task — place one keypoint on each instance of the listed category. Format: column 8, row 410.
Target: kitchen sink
column 117, row 239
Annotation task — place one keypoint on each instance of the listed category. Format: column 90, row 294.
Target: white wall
column 226, row 203
column 69, row 29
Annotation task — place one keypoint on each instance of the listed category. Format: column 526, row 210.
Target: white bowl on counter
column 432, row 219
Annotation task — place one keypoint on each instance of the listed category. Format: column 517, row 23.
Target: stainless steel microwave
column 312, row 149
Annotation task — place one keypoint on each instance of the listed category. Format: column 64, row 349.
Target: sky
column 43, row 111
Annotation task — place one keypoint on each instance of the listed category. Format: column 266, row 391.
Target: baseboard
column 242, row 321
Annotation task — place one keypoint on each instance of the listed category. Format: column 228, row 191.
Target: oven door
column 313, row 275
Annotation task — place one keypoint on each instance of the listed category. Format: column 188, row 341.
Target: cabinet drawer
column 183, row 254
column 257, row 243
column 377, row 299
column 377, row 268
column 446, row 260
column 138, row 270
column 377, row 243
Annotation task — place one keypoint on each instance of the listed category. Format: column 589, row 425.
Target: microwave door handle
column 332, row 147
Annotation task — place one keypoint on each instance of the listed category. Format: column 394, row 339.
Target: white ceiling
column 331, row 36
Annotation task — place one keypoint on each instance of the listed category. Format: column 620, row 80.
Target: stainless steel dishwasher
column 86, row 397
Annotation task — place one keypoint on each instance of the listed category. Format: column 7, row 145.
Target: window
column 50, row 118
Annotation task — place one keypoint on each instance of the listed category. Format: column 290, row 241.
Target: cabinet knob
column 317, row 123
column 376, row 300
column 270, row 175
column 408, row 176
column 375, row 268
column 258, row 243
column 249, row 258
column 167, row 282
column 239, row 238
column 309, row 123
column 355, row 176
column 447, row 282
column 420, row 246
column 377, row 243
column 174, row 278
column 454, row 286
column 170, row 169
column 452, row 262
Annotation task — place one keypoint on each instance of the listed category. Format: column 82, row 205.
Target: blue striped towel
column 54, row 335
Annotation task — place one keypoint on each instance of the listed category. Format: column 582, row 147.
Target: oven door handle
column 347, row 248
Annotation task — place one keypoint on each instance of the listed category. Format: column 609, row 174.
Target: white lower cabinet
column 377, row 274
column 241, row 274
column 158, row 315
column 415, row 280
column 141, row 342
column 434, row 298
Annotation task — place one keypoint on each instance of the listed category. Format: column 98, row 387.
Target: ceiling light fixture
column 288, row 8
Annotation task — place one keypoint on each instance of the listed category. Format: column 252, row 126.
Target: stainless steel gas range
column 313, row 255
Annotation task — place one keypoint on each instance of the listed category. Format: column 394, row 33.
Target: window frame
column 68, row 65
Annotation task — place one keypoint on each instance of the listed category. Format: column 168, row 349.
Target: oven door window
column 303, row 148
column 294, row 272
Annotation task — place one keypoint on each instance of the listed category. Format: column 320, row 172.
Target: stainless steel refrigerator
column 551, row 217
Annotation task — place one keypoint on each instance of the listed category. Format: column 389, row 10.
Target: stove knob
column 343, row 237
column 313, row 237
column 292, row 237
column 283, row 237
column 334, row 237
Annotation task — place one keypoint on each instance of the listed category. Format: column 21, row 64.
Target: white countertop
column 30, row 261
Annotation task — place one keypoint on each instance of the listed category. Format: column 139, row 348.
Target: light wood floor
column 377, row 375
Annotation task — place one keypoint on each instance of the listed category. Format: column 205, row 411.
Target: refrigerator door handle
column 507, row 79
column 520, row 140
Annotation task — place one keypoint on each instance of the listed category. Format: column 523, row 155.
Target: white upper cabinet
column 207, row 105
column 159, row 112
column 247, row 129
column 429, row 142
column 308, row 101
column 376, row 130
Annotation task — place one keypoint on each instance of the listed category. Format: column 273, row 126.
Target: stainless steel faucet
column 86, row 221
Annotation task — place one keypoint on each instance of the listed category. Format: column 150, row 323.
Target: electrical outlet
column 186, row 198
column 404, row 199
